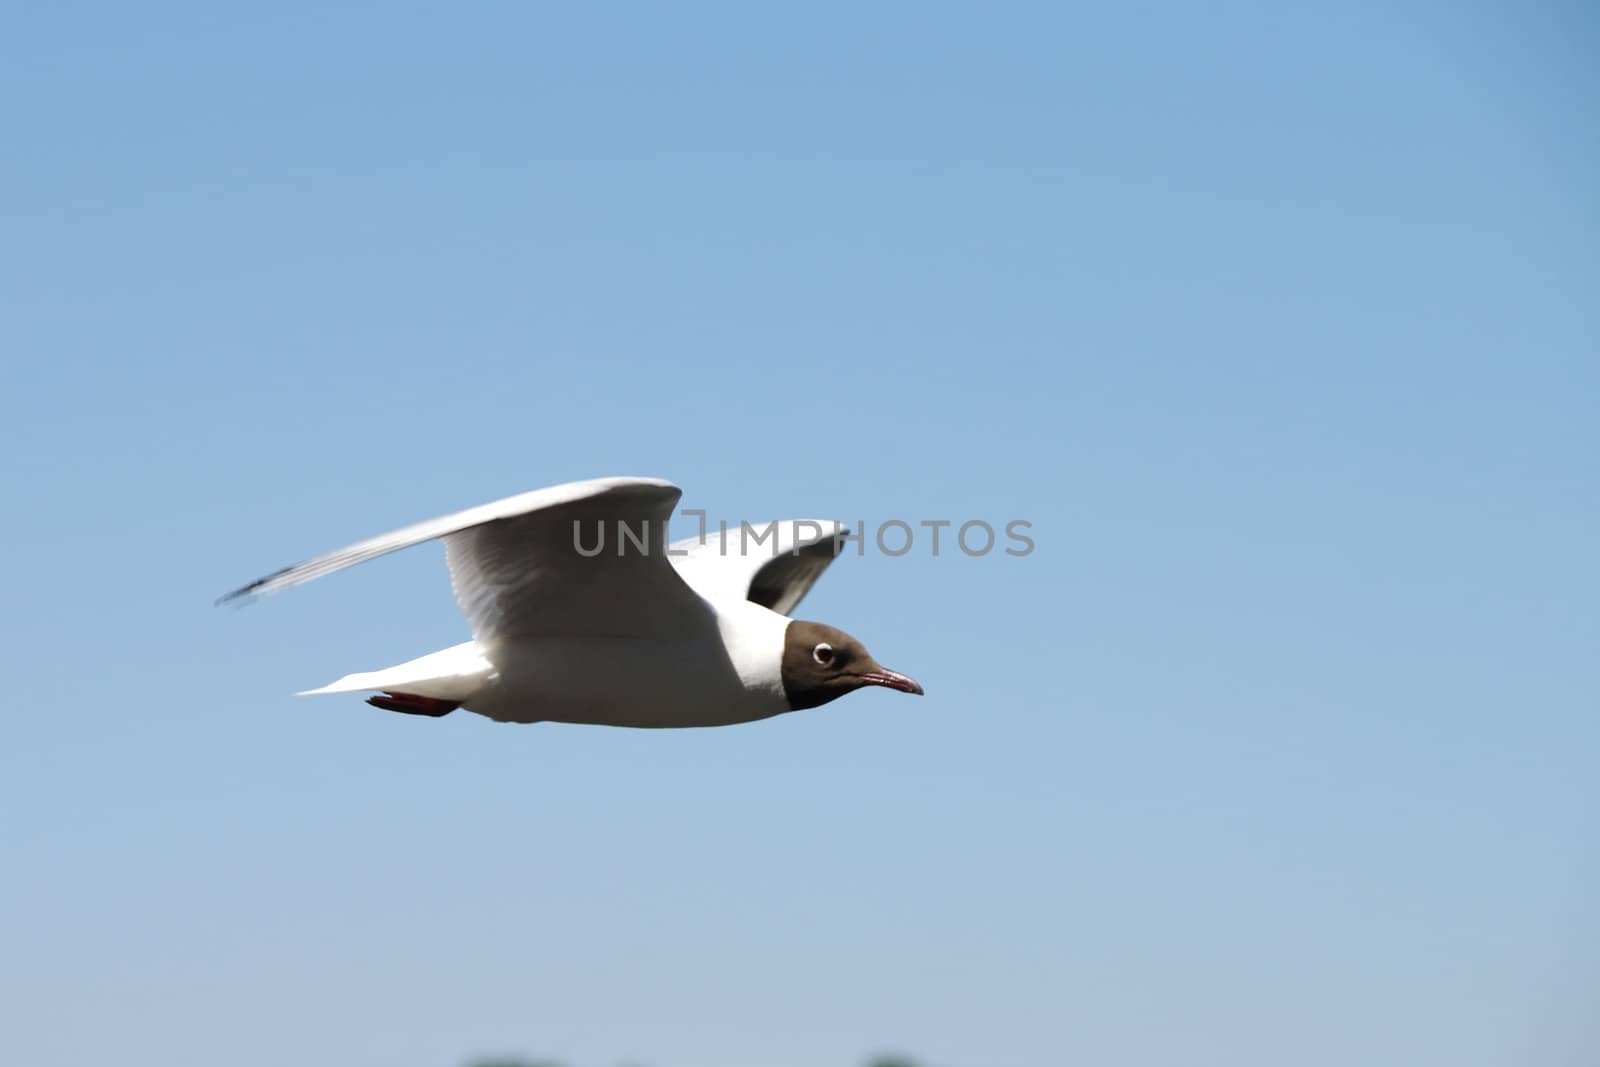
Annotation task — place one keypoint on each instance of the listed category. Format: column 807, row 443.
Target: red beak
column 892, row 679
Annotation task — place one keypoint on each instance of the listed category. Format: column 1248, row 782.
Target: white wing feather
column 516, row 567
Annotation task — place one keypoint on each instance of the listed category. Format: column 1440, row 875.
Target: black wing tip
column 238, row 598
column 830, row 545
column 245, row 593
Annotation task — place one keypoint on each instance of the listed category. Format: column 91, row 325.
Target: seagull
column 581, row 612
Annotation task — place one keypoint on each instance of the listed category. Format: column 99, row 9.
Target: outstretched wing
column 580, row 559
column 774, row 564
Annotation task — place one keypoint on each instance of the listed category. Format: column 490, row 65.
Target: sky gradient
column 1280, row 327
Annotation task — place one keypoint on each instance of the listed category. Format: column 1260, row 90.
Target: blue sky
column 1278, row 324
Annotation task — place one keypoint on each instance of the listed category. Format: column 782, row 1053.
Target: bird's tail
column 451, row 675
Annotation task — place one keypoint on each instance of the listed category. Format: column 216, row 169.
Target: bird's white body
column 728, row 672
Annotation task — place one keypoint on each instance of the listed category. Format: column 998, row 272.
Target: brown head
column 821, row 663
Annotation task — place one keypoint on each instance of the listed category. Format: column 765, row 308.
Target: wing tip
column 238, row 598
column 247, row 593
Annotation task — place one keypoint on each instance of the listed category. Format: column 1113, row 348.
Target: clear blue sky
column 1279, row 323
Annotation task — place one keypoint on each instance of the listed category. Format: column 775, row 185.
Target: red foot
column 411, row 704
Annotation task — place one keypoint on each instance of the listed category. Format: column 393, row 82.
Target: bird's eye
column 823, row 654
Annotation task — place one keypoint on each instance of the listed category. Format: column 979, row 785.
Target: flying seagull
column 581, row 612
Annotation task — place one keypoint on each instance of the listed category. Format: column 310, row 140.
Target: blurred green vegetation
column 515, row 1061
